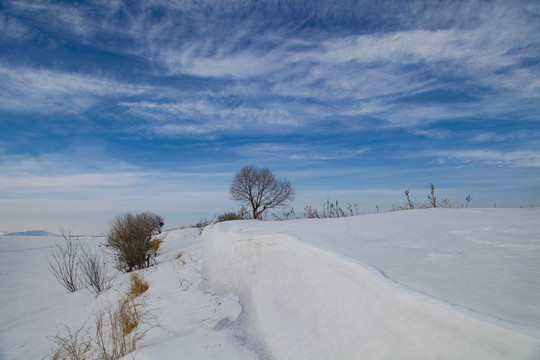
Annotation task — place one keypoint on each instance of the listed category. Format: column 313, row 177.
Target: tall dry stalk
column 64, row 261
column 121, row 327
column 94, row 271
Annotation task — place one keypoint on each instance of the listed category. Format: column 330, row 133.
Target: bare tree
column 63, row 263
column 260, row 190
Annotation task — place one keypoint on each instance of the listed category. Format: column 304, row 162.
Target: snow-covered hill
column 436, row 283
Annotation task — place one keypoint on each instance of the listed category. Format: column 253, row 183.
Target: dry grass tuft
column 118, row 329
column 128, row 312
column 138, row 285
column 75, row 345
column 121, row 327
column 154, row 245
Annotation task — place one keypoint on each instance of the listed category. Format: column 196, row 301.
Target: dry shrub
column 130, row 237
column 138, row 285
column 75, row 265
column 233, row 215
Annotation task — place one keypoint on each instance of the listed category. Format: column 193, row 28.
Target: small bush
column 130, row 237
column 229, row 216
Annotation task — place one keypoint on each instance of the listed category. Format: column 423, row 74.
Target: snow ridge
column 302, row 302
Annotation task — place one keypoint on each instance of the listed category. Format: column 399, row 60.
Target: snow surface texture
column 424, row 284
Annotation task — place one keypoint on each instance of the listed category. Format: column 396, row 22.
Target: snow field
column 439, row 283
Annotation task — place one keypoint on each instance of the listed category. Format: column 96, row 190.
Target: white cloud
column 359, row 75
column 12, row 28
column 195, row 60
column 493, row 157
column 202, row 116
column 48, row 91
column 300, row 152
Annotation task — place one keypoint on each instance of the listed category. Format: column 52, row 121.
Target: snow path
column 303, row 302
column 197, row 318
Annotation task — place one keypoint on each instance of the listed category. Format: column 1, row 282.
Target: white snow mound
column 304, row 302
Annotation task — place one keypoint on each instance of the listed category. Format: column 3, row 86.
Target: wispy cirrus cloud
column 366, row 73
column 13, row 29
column 370, row 72
column 195, row 116
column 272, row 152
column 47, row 91
column 529, row 158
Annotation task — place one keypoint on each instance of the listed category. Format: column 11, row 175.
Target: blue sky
column 111, row 106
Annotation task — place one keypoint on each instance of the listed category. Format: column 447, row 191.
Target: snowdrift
column 304, row 302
